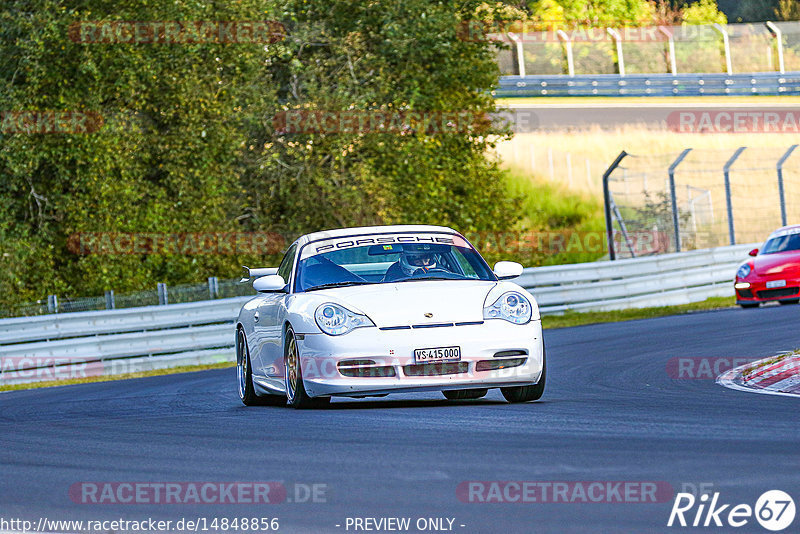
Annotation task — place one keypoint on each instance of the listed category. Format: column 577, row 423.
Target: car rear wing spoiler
column 250, row 274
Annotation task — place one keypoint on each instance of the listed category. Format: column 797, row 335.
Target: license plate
column 776, row 283
column 438, row 354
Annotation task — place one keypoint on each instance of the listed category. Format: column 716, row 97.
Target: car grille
column 776, row 293
column 436, row 369
column 745, row 293
column 430, row 325
column 365, row 369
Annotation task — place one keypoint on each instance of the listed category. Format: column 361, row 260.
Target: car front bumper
column 337, row 365
column 759, row 292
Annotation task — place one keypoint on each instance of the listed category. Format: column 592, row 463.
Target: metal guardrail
column 663, row 280
column 770, row 83
column 69, row 325
column 136, row 339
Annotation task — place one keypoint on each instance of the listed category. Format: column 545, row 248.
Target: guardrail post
column 675, row 220
column 52, row 304
column 163, row 299
column 779, row 40
column 213, row 287
column 570, row 61
column 110, row 304
column 726, row 171
column 618, row 43
column 520, row 53
column 726, row 44
column 673, row 67
column 607, row 201
column 780, row 183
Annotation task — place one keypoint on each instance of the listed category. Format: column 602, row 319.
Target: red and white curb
column 776, row 375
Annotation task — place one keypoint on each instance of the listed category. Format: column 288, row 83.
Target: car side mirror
column 753, row 252
column 269, row 284
column 506, row 270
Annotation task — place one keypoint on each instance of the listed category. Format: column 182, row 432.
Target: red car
column 774, row 271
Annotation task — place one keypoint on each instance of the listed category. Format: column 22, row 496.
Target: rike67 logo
column 774, row 510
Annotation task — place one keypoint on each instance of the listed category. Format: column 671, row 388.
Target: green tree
column 391, row 57
column 167, row 160
column 608, row 13
column 703, row 12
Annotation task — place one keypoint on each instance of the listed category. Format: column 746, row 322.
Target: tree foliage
column 189, row 144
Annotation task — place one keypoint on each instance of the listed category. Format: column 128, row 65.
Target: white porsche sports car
column 362, row 312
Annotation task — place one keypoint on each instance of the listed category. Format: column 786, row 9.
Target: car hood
column 406, row 303
column 778, row 263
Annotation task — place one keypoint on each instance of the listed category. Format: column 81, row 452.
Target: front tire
column 527, row 393
column 465, row 394
column 749, row 305
column 244, row 375
column 296, row 394
column 789, row 301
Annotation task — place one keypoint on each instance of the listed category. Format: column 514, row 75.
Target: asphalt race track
column 610, row 413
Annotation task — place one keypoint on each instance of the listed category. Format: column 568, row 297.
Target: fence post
column 520, row 56
column 569, row 169
column 618, row 43
column 570, row 62
column 673, row 67
column 607, row 201
column 779, row 39
column 213, row 287
column 780, row 182
column 163, row 299
column 588, row 173
column 52, row 304
column 727, row 45
column 110, row 304
column 726, row 171
column 675, row 220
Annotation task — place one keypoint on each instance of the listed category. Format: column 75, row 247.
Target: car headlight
column 743, row 271
column 336, row 320
column 513, row 307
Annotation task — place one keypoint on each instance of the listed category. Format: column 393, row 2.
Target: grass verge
column 550, row 215
column 109, row 378
column 578, row 318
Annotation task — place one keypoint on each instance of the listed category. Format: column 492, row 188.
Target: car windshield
column 384, row 259
column 782, row 243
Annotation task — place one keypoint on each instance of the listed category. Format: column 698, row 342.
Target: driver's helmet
column 415, row 258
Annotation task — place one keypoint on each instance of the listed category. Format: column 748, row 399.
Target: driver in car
column 413, row 261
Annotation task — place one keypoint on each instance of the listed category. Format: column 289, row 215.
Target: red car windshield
column 782, row 243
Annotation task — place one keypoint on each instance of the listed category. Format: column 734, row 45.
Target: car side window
column 285, row 269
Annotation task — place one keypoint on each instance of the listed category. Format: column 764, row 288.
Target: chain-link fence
column 712, row 48
column 161, row 294
column 701, row 198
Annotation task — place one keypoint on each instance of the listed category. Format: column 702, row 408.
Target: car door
column 268, row 326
